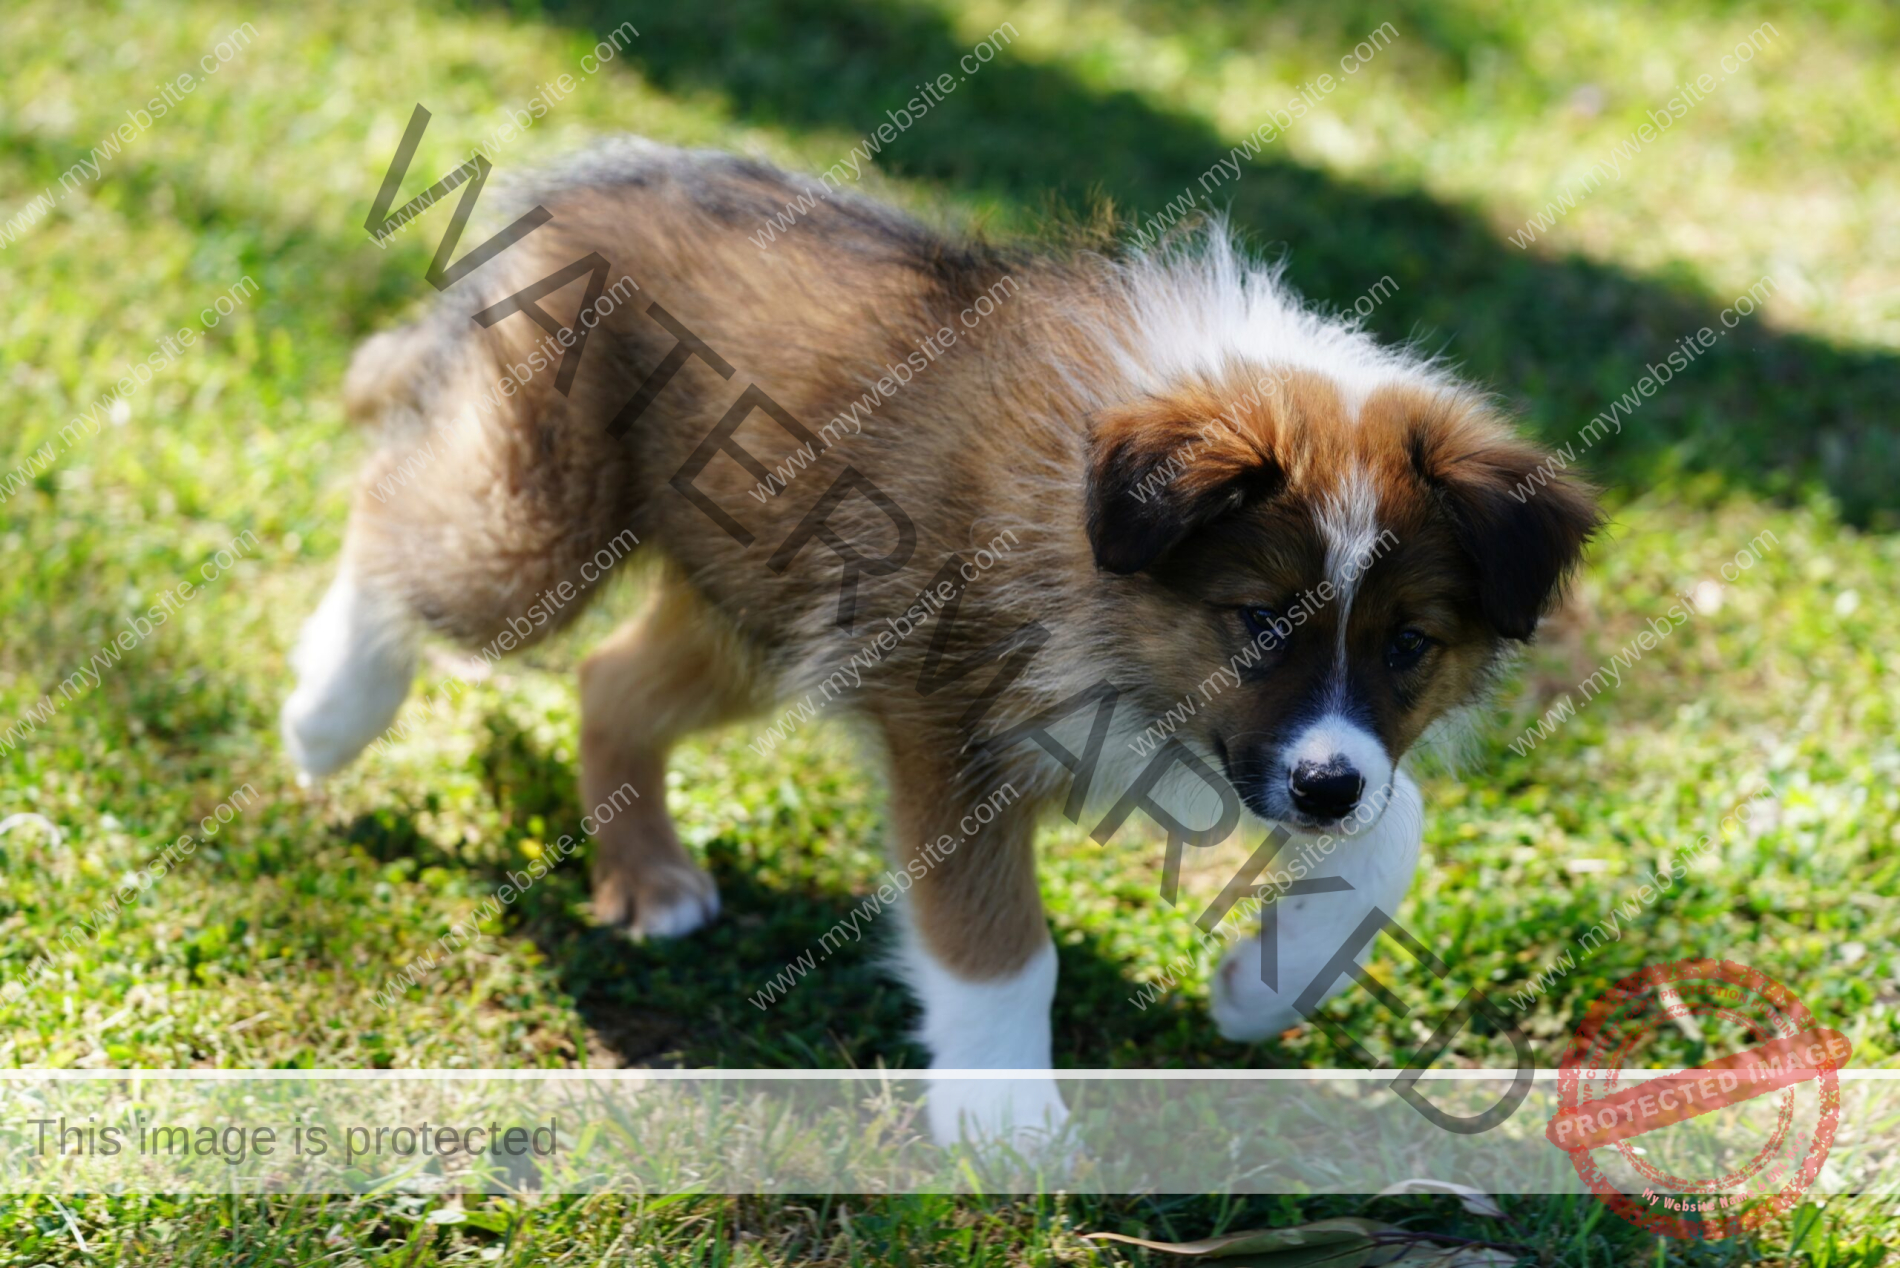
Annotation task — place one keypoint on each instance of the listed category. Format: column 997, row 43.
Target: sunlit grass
column 266, row 947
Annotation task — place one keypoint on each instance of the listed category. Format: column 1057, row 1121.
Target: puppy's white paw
column 1314, row 933
column 1245, row 1008
column 665, row 901
column 998, row 1024
column 354, row 662
column 1026, row 1114
column 678, row 914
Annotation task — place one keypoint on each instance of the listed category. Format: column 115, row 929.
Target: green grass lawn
column 266, row 946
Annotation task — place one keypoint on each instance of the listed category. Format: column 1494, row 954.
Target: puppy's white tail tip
column 354, row 660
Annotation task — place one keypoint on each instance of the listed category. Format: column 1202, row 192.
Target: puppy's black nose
column 1327, row 791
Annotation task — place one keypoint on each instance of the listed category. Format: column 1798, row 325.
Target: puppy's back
column 492, row 484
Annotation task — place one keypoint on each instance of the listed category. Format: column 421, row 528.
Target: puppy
column 1141, row 539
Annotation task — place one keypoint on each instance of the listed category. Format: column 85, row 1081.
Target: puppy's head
column 1328, row 580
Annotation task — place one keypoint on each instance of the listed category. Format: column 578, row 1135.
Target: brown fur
column 992, row 439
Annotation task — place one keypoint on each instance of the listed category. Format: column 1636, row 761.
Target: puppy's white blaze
column 1349, row 522
column 1378, row 864
column 999, row 1024
column 1337, row 736
column 1349, row 519
column 354, row 660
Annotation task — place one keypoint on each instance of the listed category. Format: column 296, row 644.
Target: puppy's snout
column 1326, row 790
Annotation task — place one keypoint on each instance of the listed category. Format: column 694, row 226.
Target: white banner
column 778, row 1131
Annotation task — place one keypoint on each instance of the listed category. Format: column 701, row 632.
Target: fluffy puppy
column 1140, row 534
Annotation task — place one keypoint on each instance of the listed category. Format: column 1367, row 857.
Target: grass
column 266, row 946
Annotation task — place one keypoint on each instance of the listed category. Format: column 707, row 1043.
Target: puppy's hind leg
column 354, row 662
column 675, row 669
column 465, row 521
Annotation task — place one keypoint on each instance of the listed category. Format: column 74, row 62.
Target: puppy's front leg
column 977, row 952
column 1377, row 861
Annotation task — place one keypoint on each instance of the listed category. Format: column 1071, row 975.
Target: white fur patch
column 1379, row 863
column 1134, row 740
column 679, row 917
column 1000, row 1024
column 354, row 662
column 1349, row 521
column 1200, row 309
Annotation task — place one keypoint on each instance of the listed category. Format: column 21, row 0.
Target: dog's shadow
column 732, row 994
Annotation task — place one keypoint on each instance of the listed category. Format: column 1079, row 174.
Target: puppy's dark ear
column 1520, row 519
column 1157, row 473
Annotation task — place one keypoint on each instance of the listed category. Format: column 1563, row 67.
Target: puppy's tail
column 354, row 662
column 491, row 517
column 385, row 376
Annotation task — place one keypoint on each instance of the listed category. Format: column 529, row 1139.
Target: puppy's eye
column 1406, row 649
column 1265, row 626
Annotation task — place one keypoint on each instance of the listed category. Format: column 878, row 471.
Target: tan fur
column 673, row 670
column 1006, row 433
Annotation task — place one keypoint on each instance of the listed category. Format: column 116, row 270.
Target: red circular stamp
column 1713, row 1150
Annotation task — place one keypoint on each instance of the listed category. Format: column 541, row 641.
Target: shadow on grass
column 689, row 1001
column 1764, row 412
column 731, row 995
column 1767, row 412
